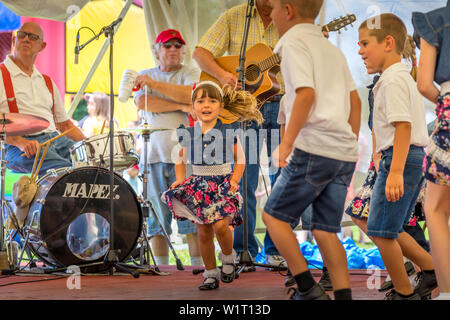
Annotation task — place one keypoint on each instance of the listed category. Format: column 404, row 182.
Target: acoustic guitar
column 261, row 68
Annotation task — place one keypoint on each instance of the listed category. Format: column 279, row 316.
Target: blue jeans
column 58, row 154
column 311, row 179
column 386, row 219
column 269, row 132
column 161, row 177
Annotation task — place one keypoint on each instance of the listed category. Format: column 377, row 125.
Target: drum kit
column 68, row 221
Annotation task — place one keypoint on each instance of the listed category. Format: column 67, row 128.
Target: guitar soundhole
column 252, row 73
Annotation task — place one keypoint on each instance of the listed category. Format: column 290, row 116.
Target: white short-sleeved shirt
column 281, row 120
column 397, row 99
column 32, row 96
column 163, row 144
column 308, row 59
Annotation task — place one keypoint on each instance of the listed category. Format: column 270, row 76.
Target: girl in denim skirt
column 209, row 197
column 432, row 35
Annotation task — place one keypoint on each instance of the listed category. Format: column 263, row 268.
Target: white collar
column 15, row 70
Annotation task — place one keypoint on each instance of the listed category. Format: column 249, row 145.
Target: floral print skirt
column 359, row 207
column 437, row 161
column 204, row 200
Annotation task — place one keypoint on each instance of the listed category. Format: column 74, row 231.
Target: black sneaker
column 388, row 285
column 315, row 293
column 393, row 295
column 325, row 281
column 426, row 283
column 209, row 284
column 290, row 281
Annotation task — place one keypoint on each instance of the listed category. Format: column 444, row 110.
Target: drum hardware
column 15, row 124
column 112, row 257
column 147, row 205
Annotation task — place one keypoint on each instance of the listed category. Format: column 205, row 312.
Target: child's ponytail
column 241, row 104
column 409, row 53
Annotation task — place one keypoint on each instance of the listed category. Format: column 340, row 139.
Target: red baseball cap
column 169, row 34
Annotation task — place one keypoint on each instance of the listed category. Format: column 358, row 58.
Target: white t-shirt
column 32, row 96
column 281, row 120
column 163, row 144
column 308, row 59
column 396, row 98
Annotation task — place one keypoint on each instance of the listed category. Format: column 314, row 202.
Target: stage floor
column 178, row 285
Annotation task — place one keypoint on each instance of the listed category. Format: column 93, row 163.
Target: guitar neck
column 269, row 62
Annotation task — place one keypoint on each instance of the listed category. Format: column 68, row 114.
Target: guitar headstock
column 340, row 23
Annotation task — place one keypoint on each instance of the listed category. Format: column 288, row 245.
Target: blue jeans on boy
column 161, row 177
column 311, row 179
column 58, row 154
column 386, row 219
column 252, row 153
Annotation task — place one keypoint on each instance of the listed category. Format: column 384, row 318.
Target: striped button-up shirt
column 225, row 35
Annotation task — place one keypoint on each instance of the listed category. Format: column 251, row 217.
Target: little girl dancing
column 209, row 197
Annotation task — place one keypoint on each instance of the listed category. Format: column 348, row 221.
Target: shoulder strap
column 49, row 84
column 9, row 90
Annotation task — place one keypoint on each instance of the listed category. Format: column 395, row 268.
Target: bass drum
column 69, row 218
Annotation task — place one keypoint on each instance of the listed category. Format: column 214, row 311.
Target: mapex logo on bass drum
column 89, row 191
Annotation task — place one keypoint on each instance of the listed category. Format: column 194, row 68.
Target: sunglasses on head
column 169, row 45
column 21, row 35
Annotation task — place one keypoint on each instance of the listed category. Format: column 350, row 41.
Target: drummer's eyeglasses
column 33, row 37
column 169, row 45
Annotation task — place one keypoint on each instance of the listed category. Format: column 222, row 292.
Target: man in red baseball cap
column 168, row 97
column 169, row 34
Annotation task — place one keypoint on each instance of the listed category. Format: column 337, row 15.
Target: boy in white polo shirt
column 324, row 115
column 399, row 133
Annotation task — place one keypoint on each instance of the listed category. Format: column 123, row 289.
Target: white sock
column 213, row 273
column 443, row 296
column 227, row 261
column 164, row 260
column 196, row 261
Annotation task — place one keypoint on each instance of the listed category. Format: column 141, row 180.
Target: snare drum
column 69, row 218
column 94, row 151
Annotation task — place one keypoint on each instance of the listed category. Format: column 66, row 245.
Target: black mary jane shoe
column 228, row 277
column 209, row 285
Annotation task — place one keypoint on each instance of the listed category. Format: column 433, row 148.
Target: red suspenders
column 9, row 90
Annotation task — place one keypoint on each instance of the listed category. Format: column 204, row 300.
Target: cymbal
column 145, row 127
column 20, row 124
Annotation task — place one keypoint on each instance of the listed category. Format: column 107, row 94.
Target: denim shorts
column 386, row 219
column 311, row 179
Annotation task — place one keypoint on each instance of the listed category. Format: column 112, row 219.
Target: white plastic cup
column 127, row 84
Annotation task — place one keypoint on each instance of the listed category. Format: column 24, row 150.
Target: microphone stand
column 245, row 258
column 112, row 257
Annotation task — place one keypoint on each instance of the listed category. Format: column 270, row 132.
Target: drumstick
column 35, row 174
column 35, row 160
column 103, row 126
column 54, row 138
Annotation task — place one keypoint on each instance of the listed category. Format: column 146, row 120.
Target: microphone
column 77, row 48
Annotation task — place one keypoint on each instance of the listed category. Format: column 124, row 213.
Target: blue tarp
column 9, row 21
column 357, row 258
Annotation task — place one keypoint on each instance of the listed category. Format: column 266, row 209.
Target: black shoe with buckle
column 325, row 281
column 209, row 284
column 315, row 293
column 426, row 283
column 228, row 277
column 393, row 295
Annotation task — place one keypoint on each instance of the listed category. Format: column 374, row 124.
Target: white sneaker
column 276, row 260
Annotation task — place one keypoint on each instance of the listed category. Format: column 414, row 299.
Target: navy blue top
column 215, row 147
column 434, row 27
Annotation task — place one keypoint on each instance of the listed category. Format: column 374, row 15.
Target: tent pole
column 97, row 61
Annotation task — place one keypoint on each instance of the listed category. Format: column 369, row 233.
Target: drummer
column 23, row 89
column 169, row 102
